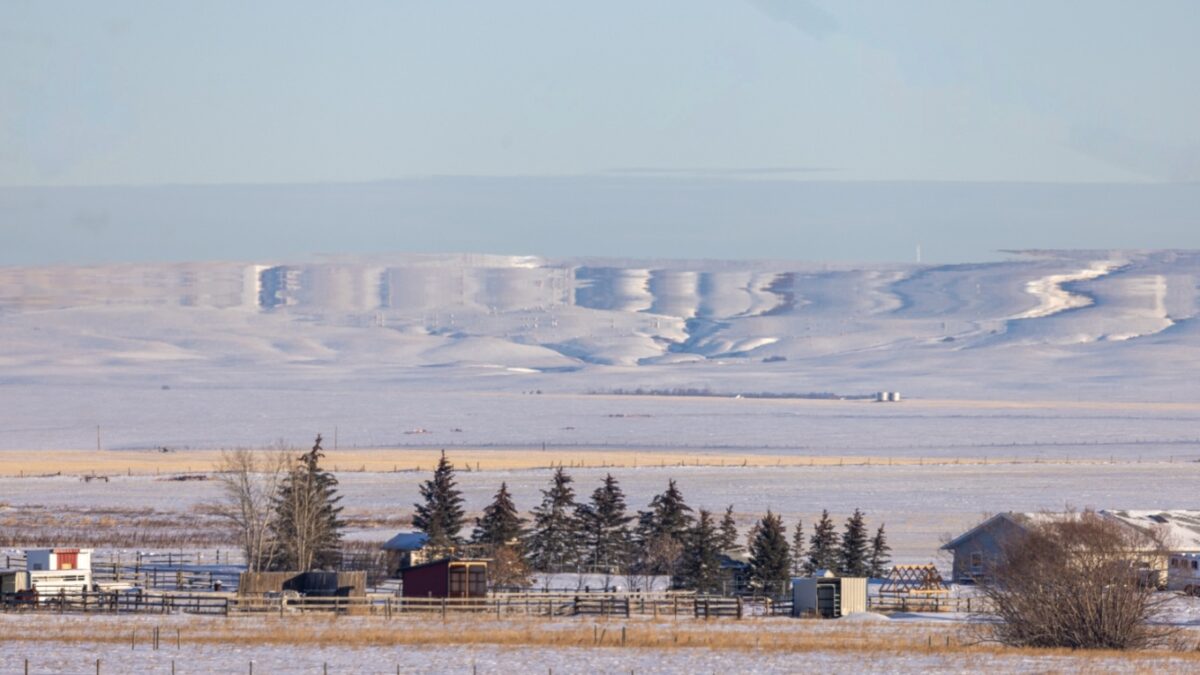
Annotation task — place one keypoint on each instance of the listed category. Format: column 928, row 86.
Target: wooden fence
column 540, row 605
column 162, row 577
column 902, row 603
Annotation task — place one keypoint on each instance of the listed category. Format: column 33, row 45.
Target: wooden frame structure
column 918, row 587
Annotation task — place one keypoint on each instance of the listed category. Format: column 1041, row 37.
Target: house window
column 1194, row 564
column 976, row 562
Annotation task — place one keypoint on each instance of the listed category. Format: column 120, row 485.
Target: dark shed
column 446, row 578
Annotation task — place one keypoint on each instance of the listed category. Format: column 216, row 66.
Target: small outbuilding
column 53, row 570
column 828, row 596
column 309, row 584
column 406, row 549
column 446, row 578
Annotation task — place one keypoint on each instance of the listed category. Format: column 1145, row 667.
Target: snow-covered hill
column 1097, row 325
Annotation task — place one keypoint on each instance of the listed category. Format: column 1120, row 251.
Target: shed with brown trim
column 446, row 578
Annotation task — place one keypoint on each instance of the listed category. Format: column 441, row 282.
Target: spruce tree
column 700, row 563
column 668, row 515
column 605, row 526
column 553, row 543
column 729, row 534
column 879, row 559
column 752, row 533
column 798, row 549
column 500, row 524
column 852, row 555
column 770, row 560
column 306, row 523
column 822, row 547
column 663, row 528
column 440, row 516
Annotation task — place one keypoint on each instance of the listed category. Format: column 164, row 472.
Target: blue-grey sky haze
column 141, row 93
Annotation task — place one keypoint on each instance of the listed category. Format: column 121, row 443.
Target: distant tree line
column 706, row 392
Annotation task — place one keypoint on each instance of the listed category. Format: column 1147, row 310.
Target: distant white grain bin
column 828, row 597
column 887, row 397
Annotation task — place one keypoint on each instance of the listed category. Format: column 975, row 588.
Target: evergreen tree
column 879, row 559
column 668, row 515
column 500, row 524
column 822, row 547
column 729, row 534
column 798, row 549
column 663, row 527
column 852, row 555
column 306, row 523
column 440, row 517
column 553, row 544
column 605, row 526
column 700, row 563
column 752, row 534
column 770, row 560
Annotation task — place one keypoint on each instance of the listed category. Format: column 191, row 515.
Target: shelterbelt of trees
column 668, row 538
column 286, row 513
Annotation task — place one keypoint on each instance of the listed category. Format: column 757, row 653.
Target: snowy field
column 1070, row 373
column 752, row 646
column 920, row 505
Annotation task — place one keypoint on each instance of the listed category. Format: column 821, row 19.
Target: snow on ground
column 60, row 657
column 920, row 505
column 507, row 352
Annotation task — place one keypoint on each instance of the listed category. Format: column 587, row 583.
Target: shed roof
column 406, row 541
column 445, row 561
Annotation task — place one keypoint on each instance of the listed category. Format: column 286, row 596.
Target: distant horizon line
column 650, row 174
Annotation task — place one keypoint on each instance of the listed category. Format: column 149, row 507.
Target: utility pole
column 97, row 438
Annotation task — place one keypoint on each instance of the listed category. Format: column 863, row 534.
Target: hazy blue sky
column 143, row 93
column 150, row 92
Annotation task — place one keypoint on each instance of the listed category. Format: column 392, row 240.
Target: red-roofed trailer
column 446, row 578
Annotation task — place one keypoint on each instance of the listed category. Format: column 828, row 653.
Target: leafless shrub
column 508, row 569
column 1077, row 581
column 249, row 480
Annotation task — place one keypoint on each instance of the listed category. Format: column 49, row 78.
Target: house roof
column 1180, row 530
column 406, row 541
column 1021, row 520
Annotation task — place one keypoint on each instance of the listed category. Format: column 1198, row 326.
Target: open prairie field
column 415, row 645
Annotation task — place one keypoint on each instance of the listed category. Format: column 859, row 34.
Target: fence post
column 740, row 611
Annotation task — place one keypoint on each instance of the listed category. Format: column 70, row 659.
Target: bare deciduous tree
column 508, row 569
column 1079, row 581
column 249, row 481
